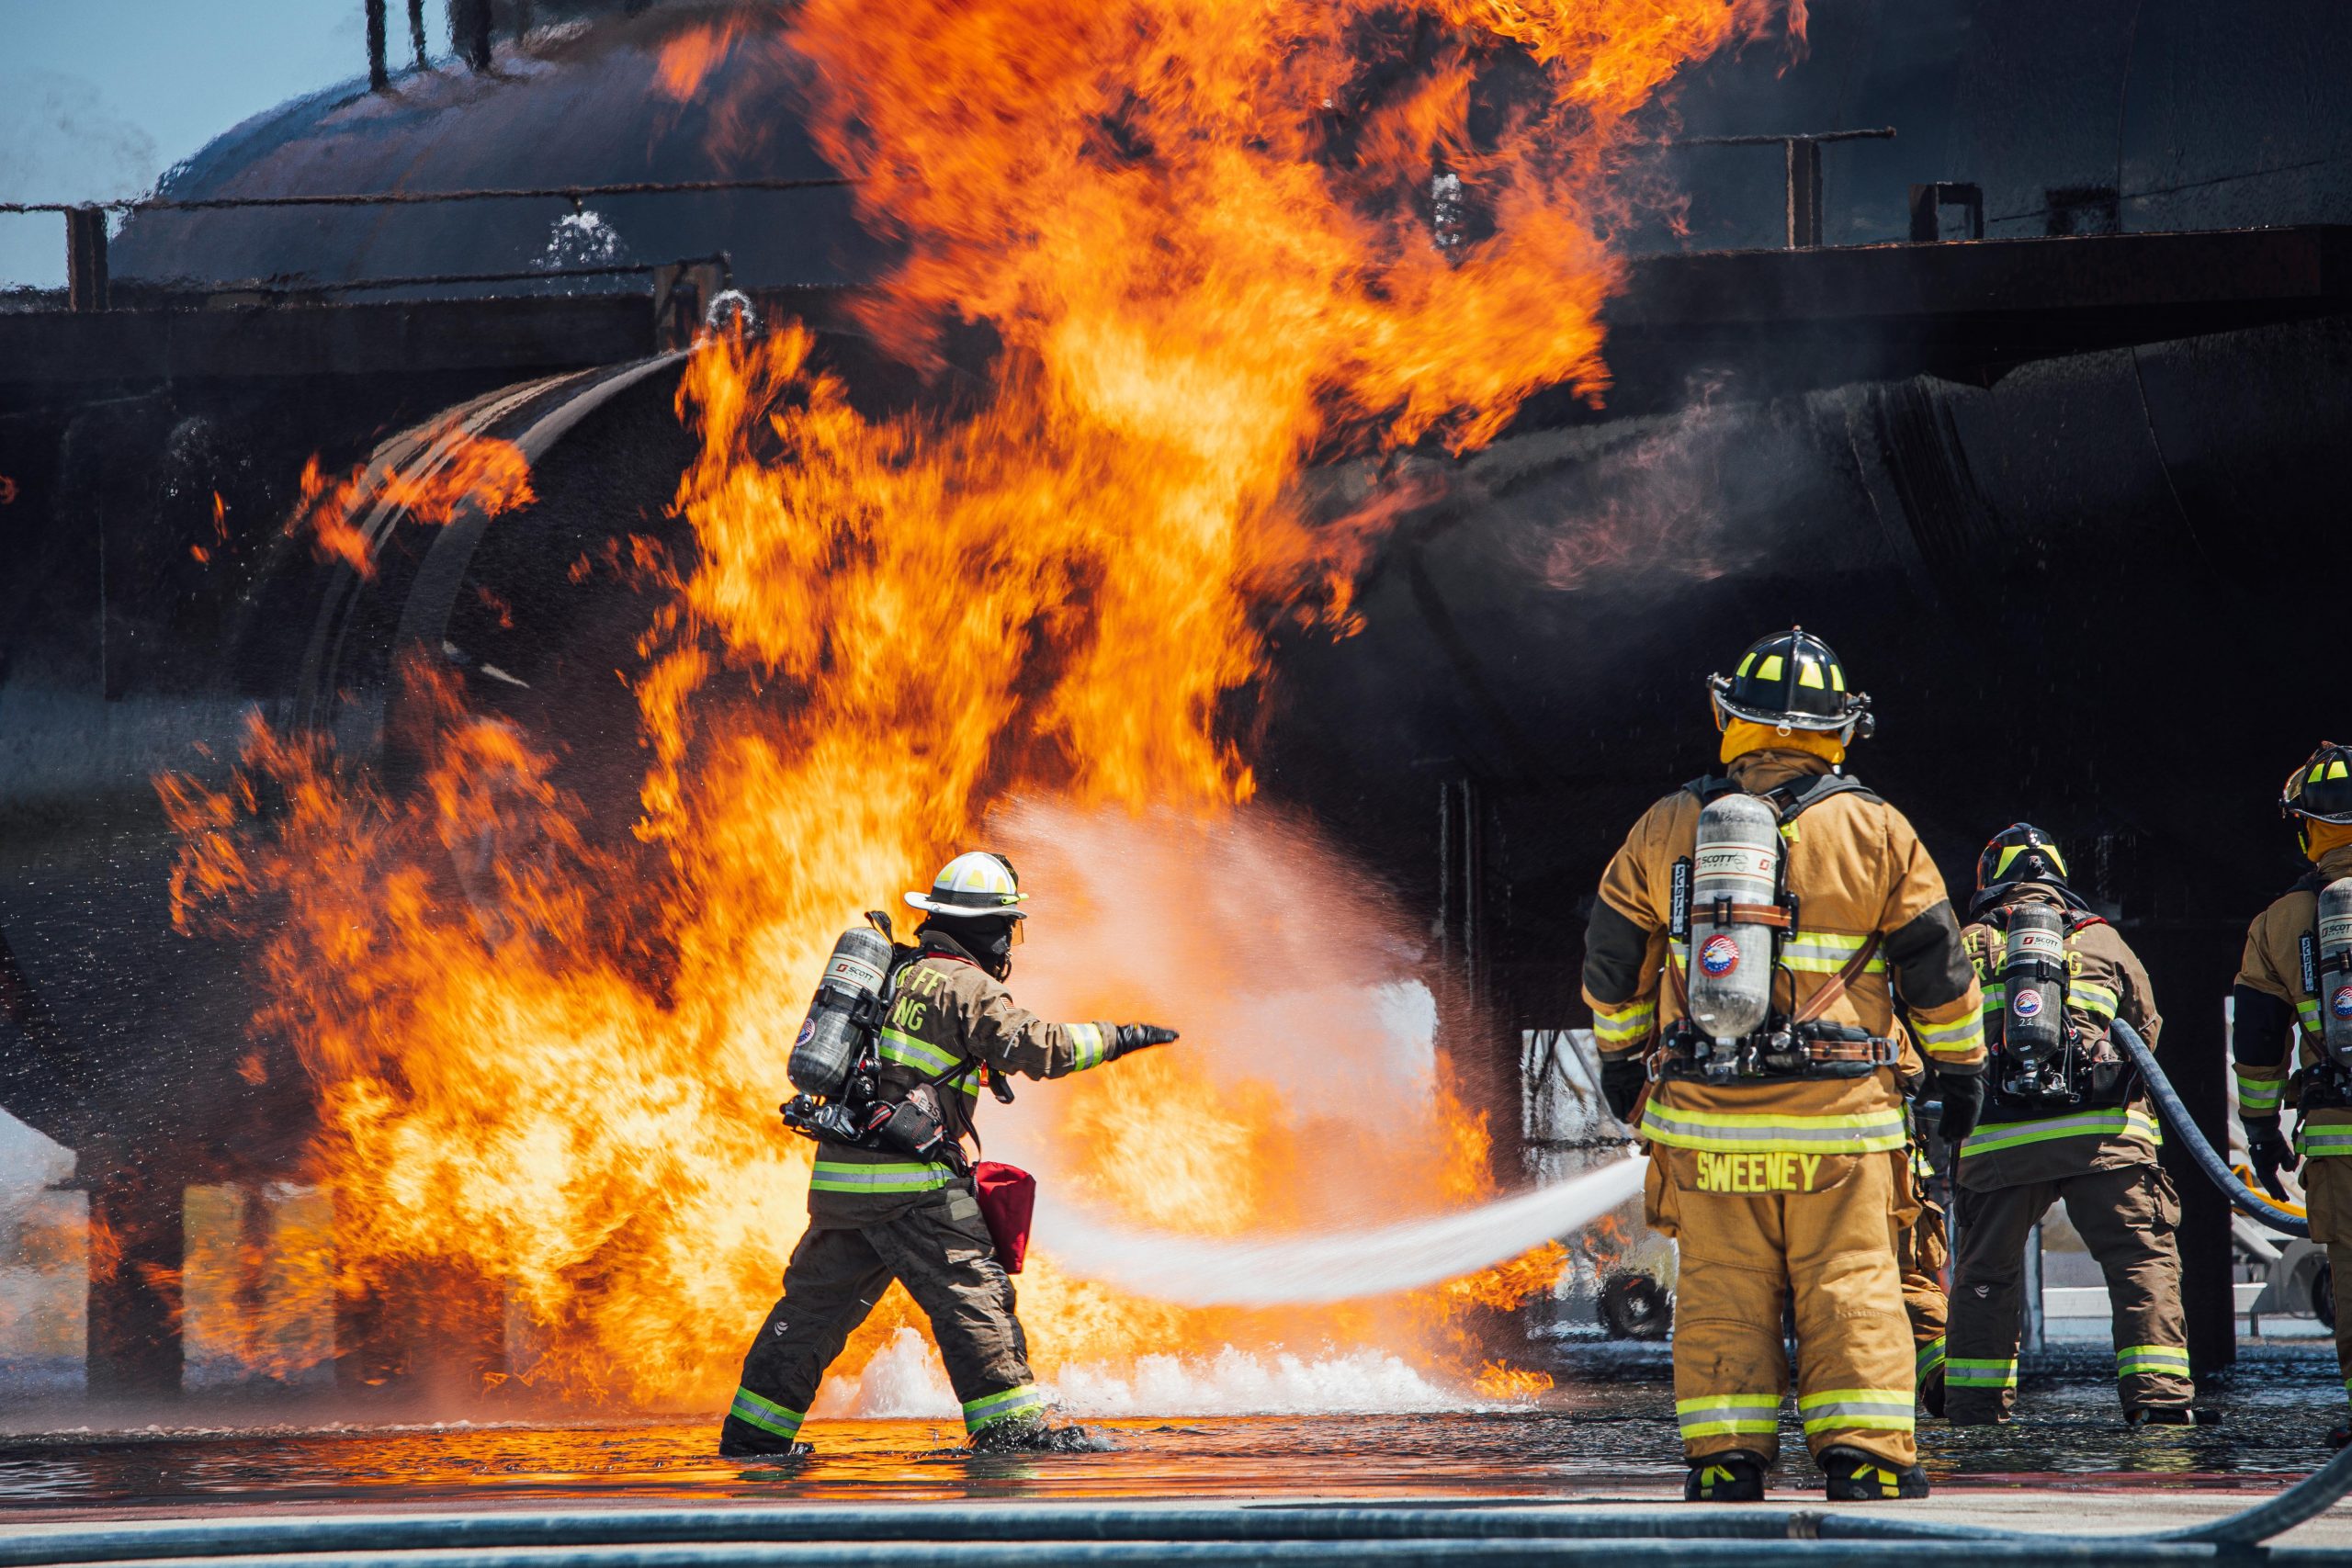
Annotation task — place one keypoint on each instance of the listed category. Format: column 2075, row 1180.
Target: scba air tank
column 2336, row 970
column 2033, row 972
column 832, row 1037
column 1736, row 873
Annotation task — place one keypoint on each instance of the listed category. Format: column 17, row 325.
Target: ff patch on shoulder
column 963, row 1206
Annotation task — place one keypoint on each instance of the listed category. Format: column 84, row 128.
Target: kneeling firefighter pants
column 2126, row 1216
column 941, row 1252
column 1743, row 1253
column 2327, row 1190
column 1921, row 1249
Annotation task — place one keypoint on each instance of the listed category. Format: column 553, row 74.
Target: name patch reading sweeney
column 1779, row 1171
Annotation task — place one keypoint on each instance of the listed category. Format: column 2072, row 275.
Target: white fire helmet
column 976, row 883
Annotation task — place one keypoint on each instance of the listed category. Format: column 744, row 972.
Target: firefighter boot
column 740, row 1439
column 1733, row 1476
column 1857, row 1477
column 1032, row 1435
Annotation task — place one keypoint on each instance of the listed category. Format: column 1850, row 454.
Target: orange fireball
column 1205, row 235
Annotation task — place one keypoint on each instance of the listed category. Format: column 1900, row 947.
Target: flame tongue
column 1208, row 238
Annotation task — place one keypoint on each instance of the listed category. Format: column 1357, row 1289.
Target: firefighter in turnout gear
column 1757, row 946
column 2293, row 988
column 1922, row 1249
column 876, row 1214
column 2065, row 1119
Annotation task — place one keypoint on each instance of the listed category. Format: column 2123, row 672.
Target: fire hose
column 1503, row 1535
column 2254, row 1204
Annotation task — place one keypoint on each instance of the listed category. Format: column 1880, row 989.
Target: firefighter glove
column 1621, row 1085
column 1963, row 1103
column 2268, row 1150
column 1138, row 1037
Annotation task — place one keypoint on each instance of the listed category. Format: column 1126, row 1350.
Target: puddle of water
column 1609, row 1425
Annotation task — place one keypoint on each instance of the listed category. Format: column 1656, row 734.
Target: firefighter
column 875, row 1215
column 1922, row 1250
column 1752, row 946
column 2288, row 991
column 2066, row 1118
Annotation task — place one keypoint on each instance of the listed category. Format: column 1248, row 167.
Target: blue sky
column 97, row 97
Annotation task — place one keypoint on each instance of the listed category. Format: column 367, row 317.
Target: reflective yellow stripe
column 1740, row 1131
column 2128, row 1122
column 838, row 1176
column 766, row 1413
column 989, row 1409
column 1727, row 1415
column 1087, row 1044
column 2096, row 1000
column 1965, row 1038
column 2168, row 1360
column 1826, row 952
column 1931, row 1356
column 1962, row 1372
column 2259, row 1095
column 1857, row 1409
column 909, row 1052
column 1617, row 1026
column 2323, row 1143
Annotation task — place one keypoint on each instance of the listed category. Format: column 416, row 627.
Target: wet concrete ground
column 1605, row 1434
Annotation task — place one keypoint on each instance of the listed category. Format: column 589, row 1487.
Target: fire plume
column 1206, row 237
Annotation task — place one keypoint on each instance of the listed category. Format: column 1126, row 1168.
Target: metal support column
column 85, row 259
column 2196, row 965
column 379, row 75
column 1804, row 155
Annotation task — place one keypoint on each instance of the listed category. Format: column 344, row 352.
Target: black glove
column 1963, row 1103
column 2268, row 1149
column 1620, row 1085
column 1129, row 1037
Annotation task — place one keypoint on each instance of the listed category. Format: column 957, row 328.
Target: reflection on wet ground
column 1608, row 1427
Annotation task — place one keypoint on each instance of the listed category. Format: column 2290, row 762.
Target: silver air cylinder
column 1737, row 861
column 830, row 1039
column 2033, row 969
column 2336, row 970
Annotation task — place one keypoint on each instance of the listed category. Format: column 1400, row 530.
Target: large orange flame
column 1209, row 237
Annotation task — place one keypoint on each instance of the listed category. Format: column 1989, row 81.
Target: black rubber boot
column 1857, row 1477
column 1932, row 1392
column 741, row 1440
column 1977, row 1418
column 1032, row 1435
column 1737, row 1476
column 2340, row 1438
column 2160, row 1415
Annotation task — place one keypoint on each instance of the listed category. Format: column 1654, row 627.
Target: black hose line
column 2215, row 1167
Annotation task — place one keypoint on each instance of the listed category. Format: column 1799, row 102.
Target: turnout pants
column 1921, row 1250
column 2327, row 1194
column 1830, row 1252
column 2127, row 1217
column 941, row 1252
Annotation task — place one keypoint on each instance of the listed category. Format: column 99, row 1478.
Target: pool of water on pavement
column 1607, row 1428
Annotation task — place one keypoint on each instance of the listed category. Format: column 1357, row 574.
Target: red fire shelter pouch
column 1007, row 1194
